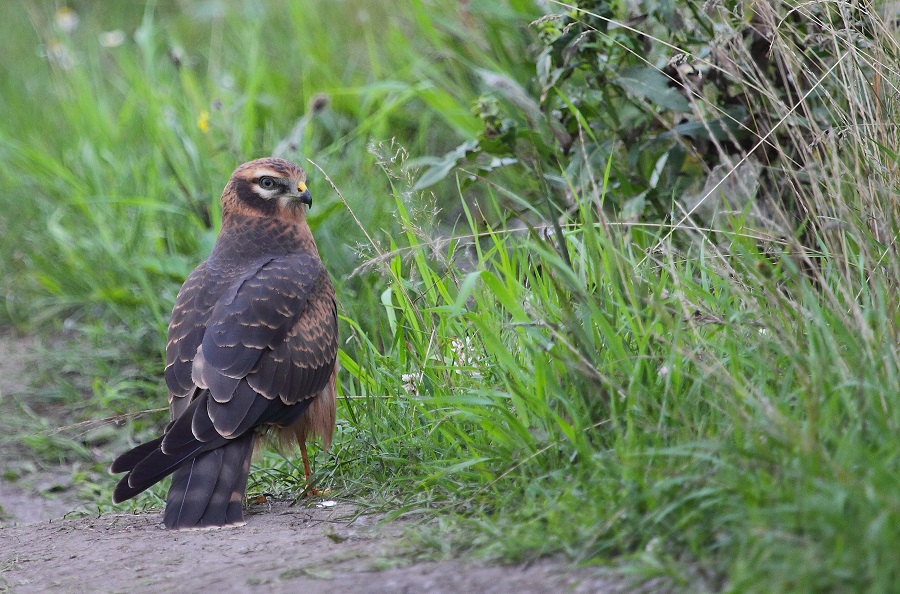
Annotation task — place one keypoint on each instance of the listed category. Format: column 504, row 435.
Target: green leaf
column 719, row 128
column 443, row 165
column 648, row 83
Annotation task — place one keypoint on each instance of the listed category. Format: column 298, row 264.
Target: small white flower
column 463, row 352
column 411, row 383
column 59, row 55
column 113, row 38
column 67, row 19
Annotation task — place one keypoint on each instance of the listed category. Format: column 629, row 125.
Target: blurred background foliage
column 617, row 279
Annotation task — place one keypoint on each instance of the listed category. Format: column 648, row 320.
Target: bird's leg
column 307, row 472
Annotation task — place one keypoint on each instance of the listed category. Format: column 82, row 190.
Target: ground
column 312, row 547
column 280, row 549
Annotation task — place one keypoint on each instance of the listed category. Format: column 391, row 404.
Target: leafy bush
column 694, row 109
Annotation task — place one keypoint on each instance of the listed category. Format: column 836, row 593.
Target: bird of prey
column 252, row 348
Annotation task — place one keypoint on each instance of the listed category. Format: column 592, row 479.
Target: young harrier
column 252, row 345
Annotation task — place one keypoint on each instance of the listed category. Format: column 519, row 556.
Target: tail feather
column 149, row 463
column 235, row 512
column 130, row 459
column 192, row 487
column 208, row 491
column 210, row 470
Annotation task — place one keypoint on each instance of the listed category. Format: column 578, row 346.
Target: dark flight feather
column 129, row 459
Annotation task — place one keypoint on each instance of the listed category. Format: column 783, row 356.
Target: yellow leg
column 307, row 472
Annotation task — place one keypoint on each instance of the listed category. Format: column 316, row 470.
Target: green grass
column 712, row 410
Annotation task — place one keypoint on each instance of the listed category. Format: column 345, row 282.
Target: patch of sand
column 280, row 549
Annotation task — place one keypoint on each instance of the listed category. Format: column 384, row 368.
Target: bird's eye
column 266, row 182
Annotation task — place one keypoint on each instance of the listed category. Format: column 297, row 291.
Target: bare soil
column 39, row 494
column 14, row 352
column 282, row 548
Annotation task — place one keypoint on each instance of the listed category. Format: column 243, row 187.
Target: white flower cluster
column 462, row 352
column 411, row 382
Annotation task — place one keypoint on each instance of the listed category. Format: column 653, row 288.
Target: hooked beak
column 303, row 194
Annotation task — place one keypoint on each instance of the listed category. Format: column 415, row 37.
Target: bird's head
column 267, row 187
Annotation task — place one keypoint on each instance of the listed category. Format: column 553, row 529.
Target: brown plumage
column 252, row 345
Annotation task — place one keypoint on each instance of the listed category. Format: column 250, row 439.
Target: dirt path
column 282, row 548
column 13, row 358
column 20, row 501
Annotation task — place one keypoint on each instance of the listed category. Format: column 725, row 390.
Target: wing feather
column 247, row 347
column 186, row 330
column 227, row 417
column 279, row 331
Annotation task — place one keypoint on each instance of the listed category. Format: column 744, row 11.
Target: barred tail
column 207, row 491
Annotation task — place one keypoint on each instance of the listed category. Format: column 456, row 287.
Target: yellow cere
column 301, row 187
